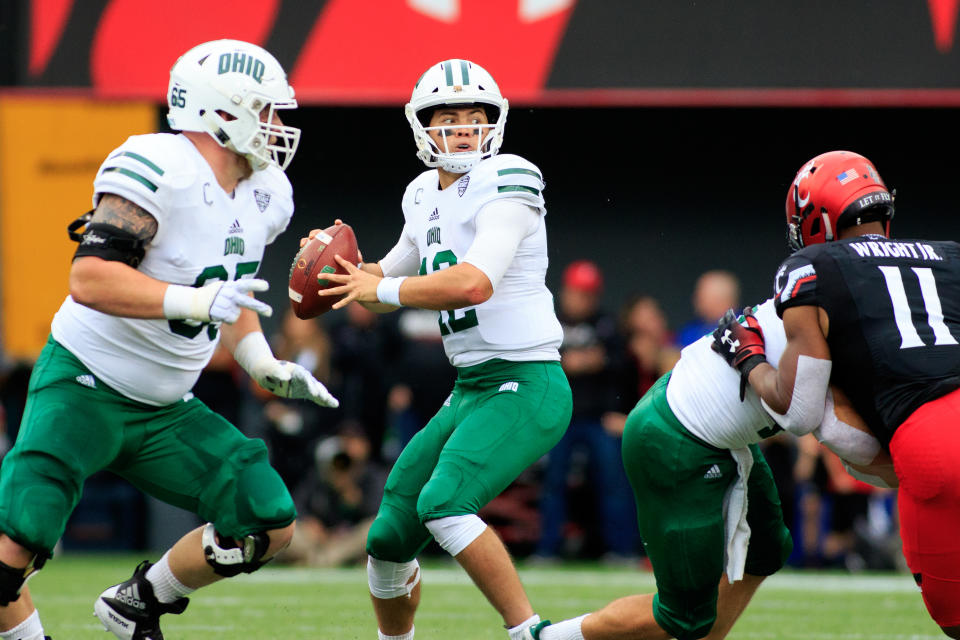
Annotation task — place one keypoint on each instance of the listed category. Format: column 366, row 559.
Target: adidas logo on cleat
column 131, row 597
column 713, row 473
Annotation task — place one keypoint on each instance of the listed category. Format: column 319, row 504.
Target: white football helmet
column 221, row 87
column 455, row 82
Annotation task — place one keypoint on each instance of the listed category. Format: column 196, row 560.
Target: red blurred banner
column 366, row 51
column 542, row 52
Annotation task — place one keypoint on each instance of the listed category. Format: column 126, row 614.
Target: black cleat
column 130, row 611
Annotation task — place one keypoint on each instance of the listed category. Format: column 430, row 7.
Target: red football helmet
column 836, row 189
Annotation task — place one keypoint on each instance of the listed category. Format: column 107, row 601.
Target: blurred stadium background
column 667, row 133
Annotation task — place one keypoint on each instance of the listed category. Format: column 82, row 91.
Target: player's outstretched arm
column 456, row 287
column 250, row 349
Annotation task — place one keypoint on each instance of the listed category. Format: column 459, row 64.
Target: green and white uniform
column 677, row 451
column 203, row 235
column 511, row 402
column 121, row 386
column 518, row 322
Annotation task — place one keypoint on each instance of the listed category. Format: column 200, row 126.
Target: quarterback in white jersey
column 441, row 226
column 165, row 266
column 474, row 248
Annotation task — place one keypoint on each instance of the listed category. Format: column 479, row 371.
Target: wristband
column 251, row 350
column 178, row 302
column 388, row 290
column 745, row 368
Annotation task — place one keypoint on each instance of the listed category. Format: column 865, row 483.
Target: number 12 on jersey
column 903, row 315
column 458, row 319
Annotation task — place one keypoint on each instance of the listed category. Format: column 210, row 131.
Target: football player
column 689, row 449
column 880, row 319
column 165, row 267
column 474, row 248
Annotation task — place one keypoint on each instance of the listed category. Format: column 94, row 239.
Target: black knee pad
column 229, row 557
column 13, row 579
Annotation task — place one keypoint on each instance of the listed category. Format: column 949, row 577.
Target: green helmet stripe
column 517, row 187
column 527, row 172
column 140, row 158
column 448, row 68
column 465, row 71
column 131, row 174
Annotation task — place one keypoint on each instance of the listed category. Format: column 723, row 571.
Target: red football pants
column 926, row 457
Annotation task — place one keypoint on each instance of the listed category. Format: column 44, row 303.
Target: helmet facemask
column 444, row 154
column 456, row 84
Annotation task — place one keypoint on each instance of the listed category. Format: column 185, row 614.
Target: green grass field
column 325, row 604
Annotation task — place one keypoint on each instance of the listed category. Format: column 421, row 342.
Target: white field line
column 887, row 583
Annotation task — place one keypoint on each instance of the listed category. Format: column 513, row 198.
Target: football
column 315, row 259
column 882, row 464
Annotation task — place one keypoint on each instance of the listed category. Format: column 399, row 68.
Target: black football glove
column 741, row 346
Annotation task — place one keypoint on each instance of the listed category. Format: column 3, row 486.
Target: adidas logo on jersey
column 87, row 380
column 462, row 185
column 130, row 596
column 235, row 227
column 713, row 473
column 263, row 199
column 446, row 402
column 509, row 386
column 434, row 216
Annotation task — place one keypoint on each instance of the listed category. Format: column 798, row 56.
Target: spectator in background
column 366, row 349
column 649, row 353
column 337, row 501
column 715, row 292
column 589, row 355
column 844, row 522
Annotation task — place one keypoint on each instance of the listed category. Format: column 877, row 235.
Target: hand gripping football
column 313, row 261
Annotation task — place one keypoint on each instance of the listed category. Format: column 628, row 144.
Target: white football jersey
column 518, row 322
column 203, row 234
column 704, row 391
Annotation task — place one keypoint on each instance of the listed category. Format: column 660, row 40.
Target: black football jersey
column 894, row 309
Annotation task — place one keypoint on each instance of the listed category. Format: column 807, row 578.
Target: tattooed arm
column 113, row 287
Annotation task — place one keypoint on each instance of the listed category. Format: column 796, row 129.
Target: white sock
column 166, row 587
column 403, row 636
column 29, row 629
column 564, row 630
column 516, row 633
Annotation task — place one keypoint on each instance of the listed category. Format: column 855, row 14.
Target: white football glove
column 290, row 380
column 285, row 379
column 216, row 302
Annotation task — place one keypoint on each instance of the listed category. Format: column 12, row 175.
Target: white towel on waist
column 736, row 529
